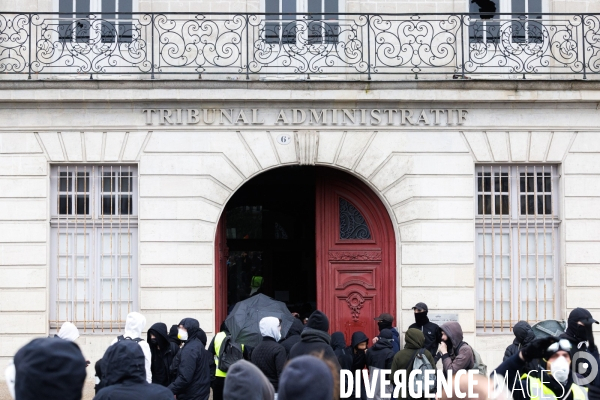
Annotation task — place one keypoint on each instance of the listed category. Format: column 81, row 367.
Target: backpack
column 121, row 337
column 478, row 362
column 230, row 352
column 420, row 362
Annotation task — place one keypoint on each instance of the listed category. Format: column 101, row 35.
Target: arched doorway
column 318, row 237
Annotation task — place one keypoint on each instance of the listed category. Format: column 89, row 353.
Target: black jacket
column 315, row 339
column 381, row 354
column 163, row 353
column 125, row 376
column 338, row 343
column 50, row 368
column 432, row 335
column 270, row 357
column 523, row 336
column 192, row 365
column 359, row 357
column 293, row 335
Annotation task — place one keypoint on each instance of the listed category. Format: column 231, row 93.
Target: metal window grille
column 93, row 245
column 516, row 249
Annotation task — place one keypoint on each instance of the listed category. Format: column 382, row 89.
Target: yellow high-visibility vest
column 539, row 391
column 219, row 337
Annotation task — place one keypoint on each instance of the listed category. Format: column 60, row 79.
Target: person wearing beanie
column 430, row 330
column 270, row 356
column 49, row 369
column 379, row 357
column 306, row 378
column 192, row 365
column 315, row 339
column 245, row 381
column 386, row 321
column 554, row 378
column 524, row 335
column 125, row 377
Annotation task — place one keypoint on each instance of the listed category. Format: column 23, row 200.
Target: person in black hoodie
column 338, row 343
column 293, row 335
column 50, row 369
column 358, row 349
column 269, row 356
column 386, row 321
column 524, row 335
column 380, row 356
column 125, row 376
column 579, row 333
column 192, row 365
column 315, row 339
column 173, row 335
column 430, row 330
column 163, row 352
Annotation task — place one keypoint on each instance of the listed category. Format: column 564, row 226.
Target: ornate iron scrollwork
column 352, row 223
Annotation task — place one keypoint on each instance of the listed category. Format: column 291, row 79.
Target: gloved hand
column 537, row 348
column 589, row 323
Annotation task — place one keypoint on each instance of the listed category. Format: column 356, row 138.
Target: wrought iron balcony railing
column 303, row 46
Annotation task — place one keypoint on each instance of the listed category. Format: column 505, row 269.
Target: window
column 93, row 245
column 321, row 25
column 115, row 20
column 525, row 25
column 516, row 245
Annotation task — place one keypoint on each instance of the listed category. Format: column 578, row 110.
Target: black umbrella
column 245, row 316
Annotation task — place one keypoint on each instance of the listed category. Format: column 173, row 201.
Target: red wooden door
column 356, row 254
column 221, row 258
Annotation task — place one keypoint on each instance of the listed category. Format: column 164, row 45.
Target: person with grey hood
column 524, row 335
column 306, row 378
column 456, row 354
column 245, row 381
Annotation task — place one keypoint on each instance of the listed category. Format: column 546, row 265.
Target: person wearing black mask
column 524, row 335
column 163, row 352
column 430, row 330
column 385, row 321
column 358, row 349
column 579, row 333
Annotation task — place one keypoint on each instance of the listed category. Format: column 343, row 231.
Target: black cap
column 421, row 306
column 385, row 317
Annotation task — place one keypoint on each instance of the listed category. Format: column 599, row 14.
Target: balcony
column 345, row 46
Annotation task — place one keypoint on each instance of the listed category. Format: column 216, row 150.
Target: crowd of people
column 304, row 364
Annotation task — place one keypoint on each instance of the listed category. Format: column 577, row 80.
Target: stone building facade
column 126, row 180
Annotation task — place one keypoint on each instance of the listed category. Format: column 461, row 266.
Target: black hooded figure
column 340, row 348
column 192, row 365
column 125, row 377
column 173, row 335
column 163, row 352
column 293, row 335
column 315, row 339
column 579, row 333
column 52, row 369
column 359, row 358
column 524, row 335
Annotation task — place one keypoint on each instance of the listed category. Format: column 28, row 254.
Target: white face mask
column 182, row 335
column 560, row 369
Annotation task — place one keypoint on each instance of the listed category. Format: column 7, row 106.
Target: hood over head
column 173, row 332
column 338, row 341
column 414, row 339
column 192, row 326
column 296, row 328
column 134, row 325
column 386, row 334
column 319, row 321
column 524, row 334
column 159, row 330
column 359, row 337
column 124, row 361
column 68, row 331
column 575, row 330
column 454, row 332
column 306, row 378
column 270, row 327
column 50, row 369
column 245, row 381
